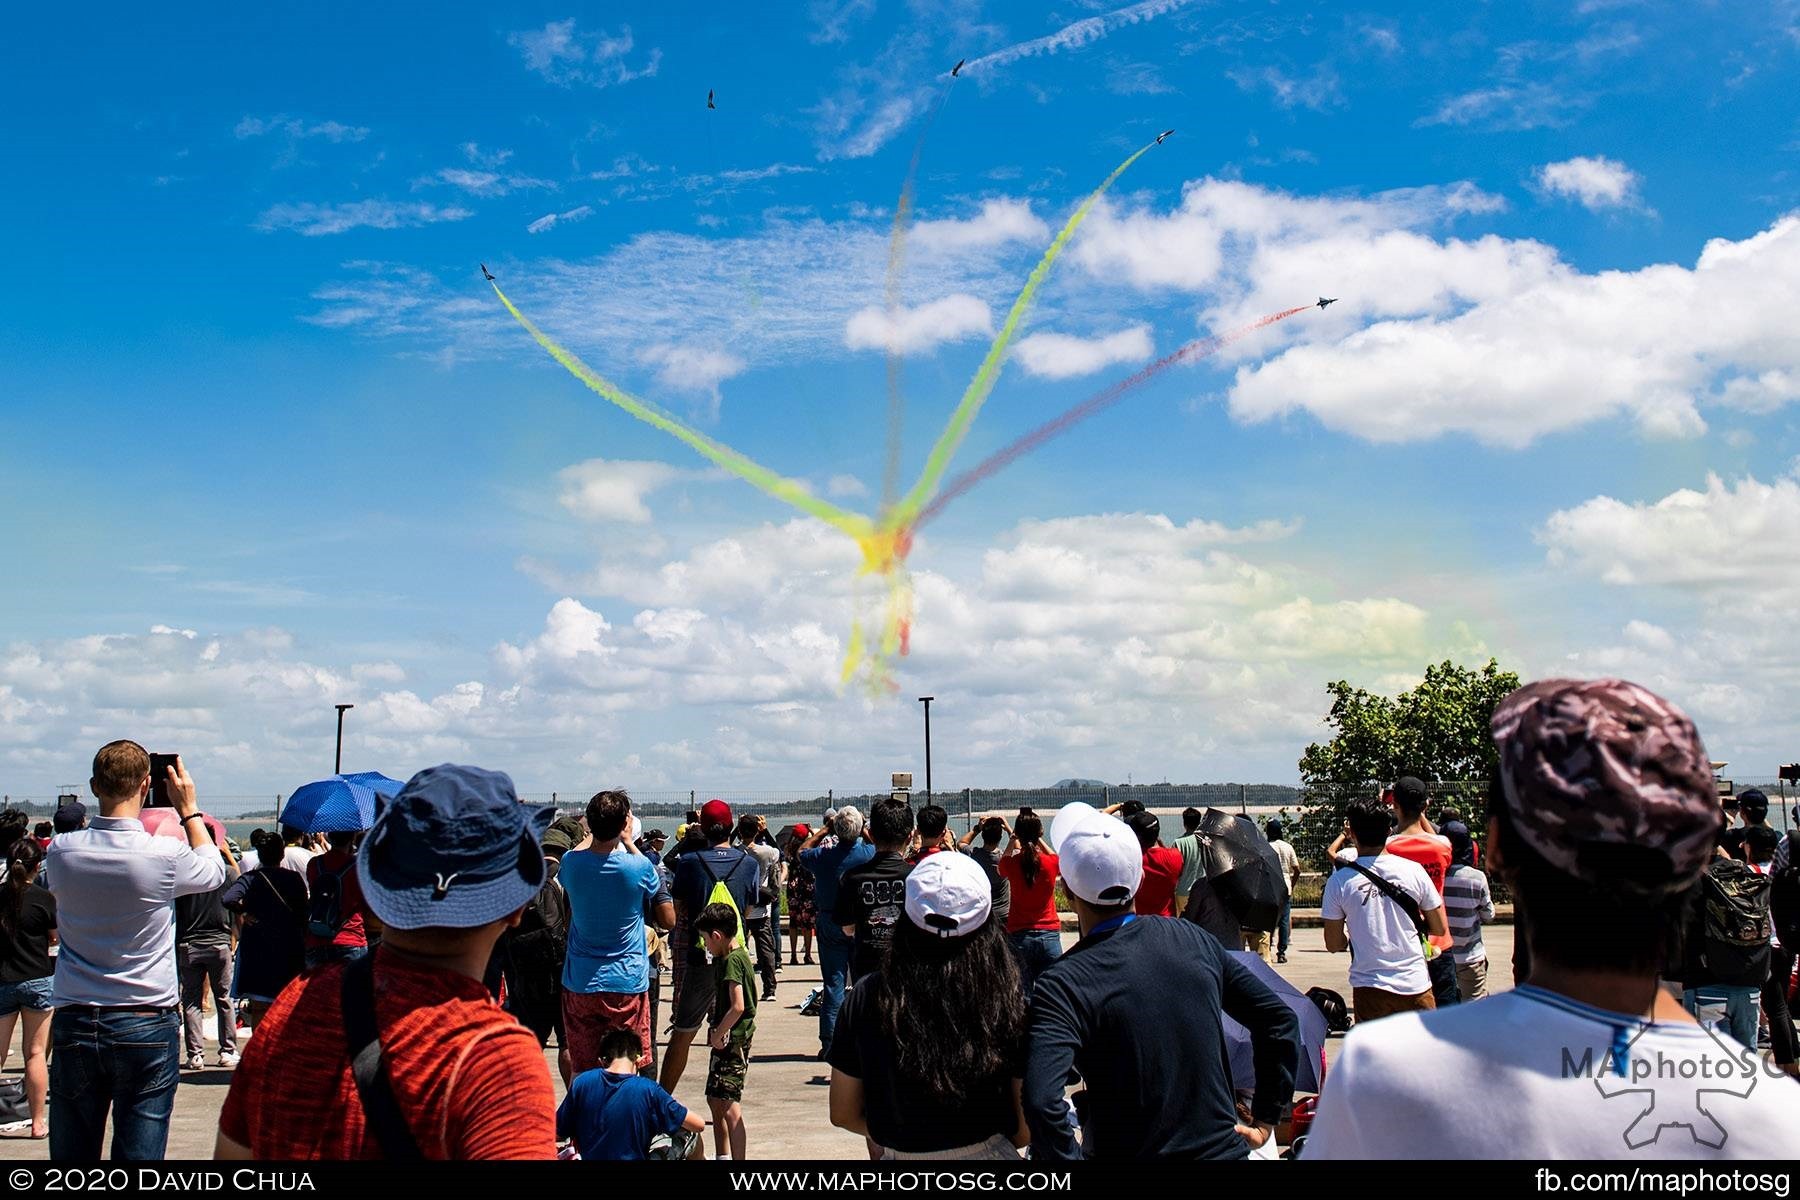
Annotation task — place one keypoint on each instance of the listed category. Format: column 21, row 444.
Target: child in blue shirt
column 612, row 1112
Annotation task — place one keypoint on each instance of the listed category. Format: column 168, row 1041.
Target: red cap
column 803, row 830
column 715, row 814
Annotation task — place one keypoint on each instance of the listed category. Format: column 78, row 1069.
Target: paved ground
column 785, row 1097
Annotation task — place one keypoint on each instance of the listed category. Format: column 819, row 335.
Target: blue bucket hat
column 455, row 849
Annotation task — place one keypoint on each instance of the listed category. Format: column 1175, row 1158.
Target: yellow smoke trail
column 791, row 491
column 988, row 373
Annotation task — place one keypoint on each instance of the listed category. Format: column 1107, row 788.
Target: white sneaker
column 196, row 1063
column 228, row 1060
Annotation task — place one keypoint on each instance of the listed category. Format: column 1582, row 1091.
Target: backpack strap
column 1407, row 904
column 363, row 1039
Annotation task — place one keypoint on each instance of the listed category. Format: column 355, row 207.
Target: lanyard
column 1112, row 923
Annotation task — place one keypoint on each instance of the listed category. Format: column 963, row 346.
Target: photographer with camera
column 116, row 1035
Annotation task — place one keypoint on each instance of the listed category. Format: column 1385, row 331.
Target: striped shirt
column 1467, row 903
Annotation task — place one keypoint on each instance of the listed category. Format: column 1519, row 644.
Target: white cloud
column 1597, row 182
column 296, row 129
column 1319, row 91
column 998, row 222
column 613, row 489
column 318, row 220
column 563, row 56
column 1063, row 356
column 485, row 183
column 1743, row 535
column 910, row 330
column 699, row 369
column 549, row 221
column 842, row 486
column 1505, row 107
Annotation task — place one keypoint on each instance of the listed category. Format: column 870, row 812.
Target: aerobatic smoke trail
column 904, row 513
column 1000, row 459
column 903, row 208
column 790, row 490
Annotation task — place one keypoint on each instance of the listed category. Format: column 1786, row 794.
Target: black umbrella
column 1313, row 1032
column 1243, row 869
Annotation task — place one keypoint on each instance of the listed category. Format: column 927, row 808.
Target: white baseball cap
column 948, row 894
column 1097, row 855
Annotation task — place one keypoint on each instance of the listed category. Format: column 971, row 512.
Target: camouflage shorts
column 725, row 1074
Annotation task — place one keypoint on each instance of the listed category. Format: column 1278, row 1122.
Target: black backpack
column 325, row 912
column 1784, row 900
column 1734, row 922
column 541, row 941
column 1331, row 1006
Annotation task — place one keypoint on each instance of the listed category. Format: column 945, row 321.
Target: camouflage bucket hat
column 1608, row 782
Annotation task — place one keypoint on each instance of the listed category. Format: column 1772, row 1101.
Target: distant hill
column 1086, row 785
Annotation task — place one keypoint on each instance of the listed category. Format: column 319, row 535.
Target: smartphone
column 159, row 778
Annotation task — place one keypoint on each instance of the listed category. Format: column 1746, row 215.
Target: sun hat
column 1097, row 855
column 454, row 849
column 1608, row 782
column 948, row 894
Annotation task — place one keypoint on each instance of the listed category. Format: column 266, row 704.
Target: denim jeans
column 1740, row 1008
column 122, row 1061
column 1037, row 949
column 1287, row 926
column 834, row 959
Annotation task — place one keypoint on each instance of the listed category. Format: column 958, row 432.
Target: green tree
column 1438, row 731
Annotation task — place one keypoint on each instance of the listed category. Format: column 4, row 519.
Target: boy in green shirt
column 733, row 1025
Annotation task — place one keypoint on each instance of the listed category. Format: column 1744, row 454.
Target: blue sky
column 259, row 400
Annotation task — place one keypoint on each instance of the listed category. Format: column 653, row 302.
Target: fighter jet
column 1323, row 301
column 709, row 96
column 957, row 69
column 1165, row 133
column 486, row 274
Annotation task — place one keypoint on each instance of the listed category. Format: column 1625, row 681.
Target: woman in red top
column 1032, row 925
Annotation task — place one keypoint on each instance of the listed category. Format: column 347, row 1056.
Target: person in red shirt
column 451, row 863
column 1162, row 867
column 1033, row 926
column 1416, row 840
column 930, row 825
column 337, row 904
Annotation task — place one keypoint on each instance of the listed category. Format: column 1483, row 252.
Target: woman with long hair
column 1033, row 926
column 28, row 921
column 929, row 1048
column 271, row 904
column 801, row 913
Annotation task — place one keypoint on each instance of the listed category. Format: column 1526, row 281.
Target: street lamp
column 926, row 701
column 339, row 768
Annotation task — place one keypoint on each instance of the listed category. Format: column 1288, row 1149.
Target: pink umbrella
column 162, row 822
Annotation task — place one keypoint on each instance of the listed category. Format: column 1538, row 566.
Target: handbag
column 13, row 1105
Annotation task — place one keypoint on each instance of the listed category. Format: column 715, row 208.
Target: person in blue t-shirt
column 828, row 864
column 612, row 1112
column 606, row 972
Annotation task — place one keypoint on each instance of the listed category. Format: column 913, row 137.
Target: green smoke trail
column 782, row 488
column 988, row 373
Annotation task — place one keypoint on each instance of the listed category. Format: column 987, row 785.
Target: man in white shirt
column 1366, row 907
column 1602, row 820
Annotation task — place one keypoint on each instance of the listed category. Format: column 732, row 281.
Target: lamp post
column 926, row 701
column 339, row 768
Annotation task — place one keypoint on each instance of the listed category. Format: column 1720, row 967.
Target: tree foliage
column 1438, row 731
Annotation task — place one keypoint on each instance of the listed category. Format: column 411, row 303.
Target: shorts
column 695, row 1000
column 1371, row 1003
column 33, row 994
column 590, row 1016
column 725, row 1073
column 542, row 1017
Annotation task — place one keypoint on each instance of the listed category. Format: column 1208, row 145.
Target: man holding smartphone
column 116, row 1037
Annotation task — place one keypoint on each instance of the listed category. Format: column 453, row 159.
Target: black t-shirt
column 26, row 954
column 903, row 1113
column 872, row 897
column 1002, row 890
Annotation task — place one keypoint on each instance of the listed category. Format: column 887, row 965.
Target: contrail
column 1000, row 459
column 1081, row 33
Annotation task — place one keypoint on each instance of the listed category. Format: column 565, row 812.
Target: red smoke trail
column 994, row 463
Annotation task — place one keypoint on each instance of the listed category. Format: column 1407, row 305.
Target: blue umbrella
column 376, row 782
column 338, row 804
column 1313, row 1031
